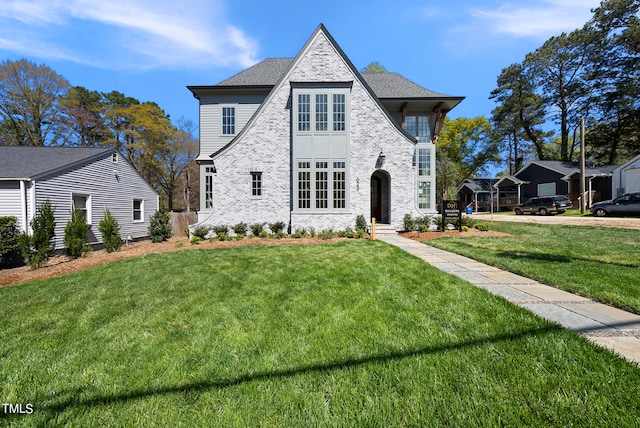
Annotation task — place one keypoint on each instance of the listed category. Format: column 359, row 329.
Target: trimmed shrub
column 160, row 226
column 221, row 231
column 256, row 229
column 75, row 235
column 9, row 235
column 110, row 230
column 361, row 223
column 409, row 223
column 195, row 239
column 277, row 227
column 38, row 247
column 240, row 229
column 482, row 227
column 200, row 231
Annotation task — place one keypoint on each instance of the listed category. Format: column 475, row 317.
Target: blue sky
column 152, row 49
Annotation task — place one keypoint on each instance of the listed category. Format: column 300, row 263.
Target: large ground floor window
column 321, row 185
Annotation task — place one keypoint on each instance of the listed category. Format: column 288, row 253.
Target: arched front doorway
column 381, row 196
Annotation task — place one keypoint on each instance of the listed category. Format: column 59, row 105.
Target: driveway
column 626, row 222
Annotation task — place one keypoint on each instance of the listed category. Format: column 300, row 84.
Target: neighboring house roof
column 26, row 162
column 478, row 185
column 568, row 169
column 626, row 164
column 512, row 179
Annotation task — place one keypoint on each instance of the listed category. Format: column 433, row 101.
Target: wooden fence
column 181, row 221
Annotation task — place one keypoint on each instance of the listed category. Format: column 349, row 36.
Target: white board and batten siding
column 626, row 178
column 211, row 137
column 107, row 185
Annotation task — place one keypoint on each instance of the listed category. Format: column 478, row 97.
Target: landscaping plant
column 75, row 235
column 38, row 247
column 160, row 226
column 110, row 231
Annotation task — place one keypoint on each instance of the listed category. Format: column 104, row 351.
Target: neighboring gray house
column 626, row 177
column 91, row 179
column 313, row 143
column 478, row 193
column 545, row 178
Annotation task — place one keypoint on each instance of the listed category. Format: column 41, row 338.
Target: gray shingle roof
column 570, row 168
column 264, row 73
column 384, row 85
column 29, row 162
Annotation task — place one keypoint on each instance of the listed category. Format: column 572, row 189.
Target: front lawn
column 348, row 334
column 597, row 262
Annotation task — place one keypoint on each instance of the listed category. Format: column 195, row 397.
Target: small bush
column 9, row 235
column 465, row 228
column 110, row 231
column 409, row 223
column 300, row 233
column 256, row 229
column 276, row 227
column 263, row 234
column 38, row 247
column 75, row 235
column 160, row 226
column 423, row 227
column 240, row 229
column 195, row 239
column 312, row 232
column 482, row 227
column 361, row 222
column 221, row 231
column 327, row 234
column 201, row 231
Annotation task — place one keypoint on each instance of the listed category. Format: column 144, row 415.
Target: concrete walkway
column 606, row 326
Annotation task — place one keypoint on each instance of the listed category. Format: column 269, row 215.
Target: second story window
column 339, row 112
column 419, row 127
column 304, row 112
column 228, row 120
column 321, row 112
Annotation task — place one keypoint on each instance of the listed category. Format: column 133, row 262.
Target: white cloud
column 538, row 19
column 126, row 33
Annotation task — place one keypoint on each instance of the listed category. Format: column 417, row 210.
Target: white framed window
column 304, row 185
column 208, row 186
column 256, row 184
column 339, row 185
column 83, row 204
column 424, row 195
column 546, row 189
column 424, row 161
column 304, row 112
column 419, row 127
column 114, row 157
column 322, row 110
column 322, row 185
column 138, row 210
column 228, row 120
column 339, row 112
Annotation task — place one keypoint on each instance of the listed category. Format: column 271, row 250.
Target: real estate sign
column 451, row 210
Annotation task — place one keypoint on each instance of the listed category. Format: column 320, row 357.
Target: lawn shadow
column 70, row 402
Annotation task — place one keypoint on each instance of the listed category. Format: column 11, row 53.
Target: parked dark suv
column 544, row 205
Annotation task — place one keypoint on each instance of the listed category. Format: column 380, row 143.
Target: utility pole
column 583, row 200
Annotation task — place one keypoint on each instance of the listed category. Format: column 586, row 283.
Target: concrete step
column 385, row 229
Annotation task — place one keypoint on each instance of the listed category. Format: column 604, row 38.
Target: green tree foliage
column 466, row 147
column 374, row 67
column 519, row 115
column 29, row 113
column 38, row 247
column 75, row 235
column 110, row 231
column 9, row 234
column 160, row 226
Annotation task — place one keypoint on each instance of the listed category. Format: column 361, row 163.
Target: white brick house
column 313, row 143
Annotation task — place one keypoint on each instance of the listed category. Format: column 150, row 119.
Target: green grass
column 348, row 334
column 597, row 262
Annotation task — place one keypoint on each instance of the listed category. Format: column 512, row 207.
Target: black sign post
column 451, row 210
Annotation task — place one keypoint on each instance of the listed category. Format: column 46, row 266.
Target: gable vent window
column 114, row 157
